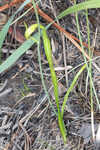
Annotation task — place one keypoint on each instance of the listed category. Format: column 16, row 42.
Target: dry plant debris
column 26, row 119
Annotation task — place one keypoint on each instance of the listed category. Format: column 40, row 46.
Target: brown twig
column 6, row 6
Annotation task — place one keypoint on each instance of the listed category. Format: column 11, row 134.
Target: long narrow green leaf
column 17, row 54
column 4, row 31
column 70, row 88
column 84, row 5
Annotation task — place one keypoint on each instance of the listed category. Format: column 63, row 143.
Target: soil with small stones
column 27, row 120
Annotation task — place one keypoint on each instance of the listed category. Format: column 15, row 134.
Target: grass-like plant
column 31, row 39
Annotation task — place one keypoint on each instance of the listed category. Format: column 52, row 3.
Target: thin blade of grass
column 70, row 88
column 84, row 5
column 4, row 31
column 17, row 54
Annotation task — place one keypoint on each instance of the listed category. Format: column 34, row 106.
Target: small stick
column 4, row 93
column 4, row 85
